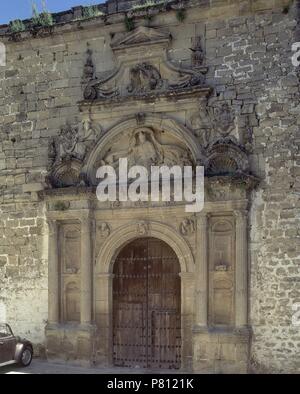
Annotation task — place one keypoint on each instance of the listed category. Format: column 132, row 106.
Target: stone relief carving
column 89, row 69
column 68, row 143
column 145, row 149
column 143, row 228
column 147, row 78
column 226, row 158
column 141, row 35
column 141, row 204
column 225, row 148
column 115, row 204
column 187, row 227
column 223, row 188
column 140, row 118
column 91, row 130
column 67, row 151
column 223, row 119
column 52, row 152
column 94, row 91
column 144, row 77
column 103, row 230
column 214, row 123
column 197, row 52
column 197, row 79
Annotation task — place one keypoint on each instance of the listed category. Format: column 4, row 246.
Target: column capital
column 85, row 220
column 52, row 226
column 240, row 215
column 202, row 219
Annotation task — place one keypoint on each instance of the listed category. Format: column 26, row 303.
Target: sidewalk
column 44, row 367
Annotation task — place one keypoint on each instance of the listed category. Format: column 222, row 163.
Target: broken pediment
column 149, row 79
column 141, row 35
column 156, row 75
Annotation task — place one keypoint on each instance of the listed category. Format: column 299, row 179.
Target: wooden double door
column 146, row 306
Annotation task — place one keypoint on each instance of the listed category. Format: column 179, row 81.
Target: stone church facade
column 148, row 284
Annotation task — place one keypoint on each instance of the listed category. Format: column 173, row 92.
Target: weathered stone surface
column 247, row 49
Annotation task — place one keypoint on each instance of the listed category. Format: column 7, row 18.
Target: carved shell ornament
column 226, row 158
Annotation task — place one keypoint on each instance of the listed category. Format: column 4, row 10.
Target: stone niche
column 221, row 270
column 69, row 256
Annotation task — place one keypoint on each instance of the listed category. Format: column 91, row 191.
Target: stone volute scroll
column 131, row 79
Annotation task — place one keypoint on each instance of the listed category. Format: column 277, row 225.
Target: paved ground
column 44, row 367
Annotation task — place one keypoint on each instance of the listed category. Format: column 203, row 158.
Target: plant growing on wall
column 180, row 14
column 287, row 7
column 91, row 12
column 129, row 23
column 43, row 18
column 147, row 4
column 17, row 26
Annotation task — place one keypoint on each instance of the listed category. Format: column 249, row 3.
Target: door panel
column 7, row 349
column 146, row 307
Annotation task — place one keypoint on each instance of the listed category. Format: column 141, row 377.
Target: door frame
column 146, row 242
column 103, row 297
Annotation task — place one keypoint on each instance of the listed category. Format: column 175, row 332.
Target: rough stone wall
column 250, row 65
column 249, row 57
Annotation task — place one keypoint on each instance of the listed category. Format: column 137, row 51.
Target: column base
column 72, row 343
column 220, row 350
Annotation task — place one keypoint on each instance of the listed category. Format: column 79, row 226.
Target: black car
column 13, row 348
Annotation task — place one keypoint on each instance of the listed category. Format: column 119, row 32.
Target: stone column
column 86, row 272
column 241, row 270
column 187, row 309
column 53, row 274
column 201, row 271
column 104, row 318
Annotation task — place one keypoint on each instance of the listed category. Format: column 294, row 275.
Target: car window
column 4, row 331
